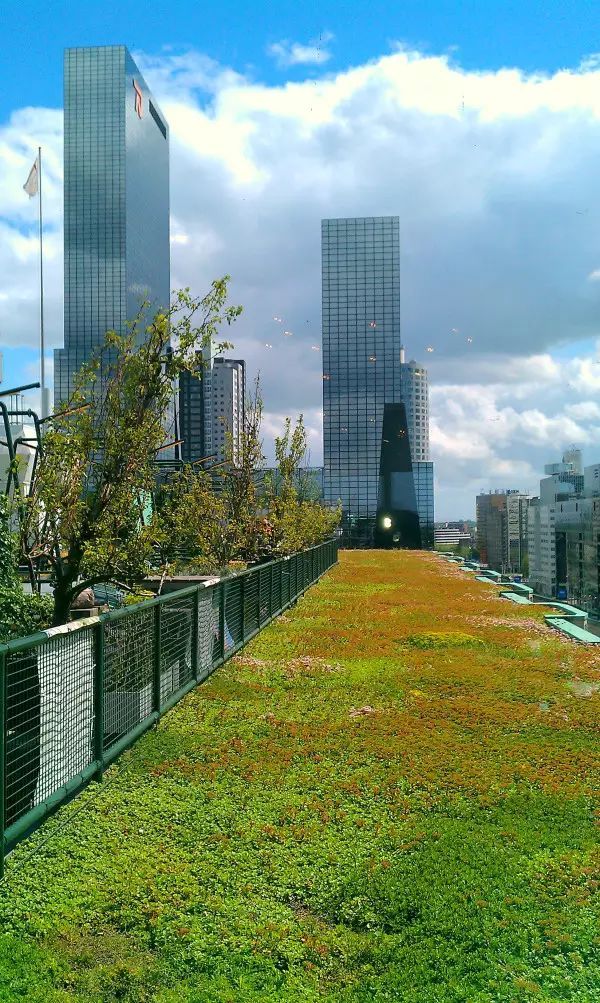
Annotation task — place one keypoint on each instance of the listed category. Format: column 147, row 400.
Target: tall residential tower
column 363, row 371
column 116, row 194
column 212, row 410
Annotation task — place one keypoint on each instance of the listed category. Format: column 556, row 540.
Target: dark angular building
column 397, row 520
column 116, row 194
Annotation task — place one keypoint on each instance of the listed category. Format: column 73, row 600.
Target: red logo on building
column 139, row 107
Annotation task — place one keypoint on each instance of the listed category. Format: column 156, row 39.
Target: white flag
column 31, row 185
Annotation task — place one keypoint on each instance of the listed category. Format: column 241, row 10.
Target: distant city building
column 577, row 527
column 547, row 569
column 542, row 547
column 415, row 395
column 564, row 534
column 363, row 371
column 517, row 506
column 573, row 457
column 116, row 204
column 191, row 416
column 453, row 534
column 211, row 410
column 502, row 528
column 423, row 480
column 227, row 404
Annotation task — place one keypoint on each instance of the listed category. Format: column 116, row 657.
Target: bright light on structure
column 387, row 522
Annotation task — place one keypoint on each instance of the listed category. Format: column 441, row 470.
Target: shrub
column 20, row 613
column 442, row 639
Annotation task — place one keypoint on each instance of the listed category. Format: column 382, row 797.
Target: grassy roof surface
column 388, row 796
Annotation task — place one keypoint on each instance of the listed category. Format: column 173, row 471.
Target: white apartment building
column 225, row 401
column 564, row 481
column 542, row 547
column 415, row 395
column 451, row 536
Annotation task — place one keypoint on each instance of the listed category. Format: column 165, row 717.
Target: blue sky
column 481, row 34
column 477, row 123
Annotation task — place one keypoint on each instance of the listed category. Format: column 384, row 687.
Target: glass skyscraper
column 364, row 369
column 116, row 195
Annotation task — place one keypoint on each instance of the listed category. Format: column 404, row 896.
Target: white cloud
column 494, row 177
column 288, row 53
column 584, row 411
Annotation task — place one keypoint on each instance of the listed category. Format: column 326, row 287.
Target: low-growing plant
column 441, row 639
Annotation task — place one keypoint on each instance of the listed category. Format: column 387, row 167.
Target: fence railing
column 73, row 699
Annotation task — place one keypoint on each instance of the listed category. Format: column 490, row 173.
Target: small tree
column 297, row 520
column 83, row 515
column 190, row 525
column 237, row 484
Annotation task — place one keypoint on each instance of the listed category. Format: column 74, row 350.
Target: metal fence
column 73, row 699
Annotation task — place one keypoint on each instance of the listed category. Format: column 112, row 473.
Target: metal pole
column 45, row 405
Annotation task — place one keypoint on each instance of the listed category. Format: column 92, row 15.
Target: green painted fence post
column 157, row 657
column 99, row 698
column 2, row 755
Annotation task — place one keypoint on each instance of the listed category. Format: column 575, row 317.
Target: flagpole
column 45, row 403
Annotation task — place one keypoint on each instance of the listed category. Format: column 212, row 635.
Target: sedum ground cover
column 389, row 796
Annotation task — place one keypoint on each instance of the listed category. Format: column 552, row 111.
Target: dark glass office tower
column 364, row 369
column 116, row 193
column 192, row 416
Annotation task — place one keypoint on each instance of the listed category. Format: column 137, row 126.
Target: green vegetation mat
column 389, row 796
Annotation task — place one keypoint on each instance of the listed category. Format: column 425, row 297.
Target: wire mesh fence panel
column 175, row 644
column 52, row 689
column 128, row 669
column 264, row 593
column 286, row 582
column 234, row 613
column 251, row 601
column 218, row 623
column 208, row 631
column 276, row 587
column 49, row 719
